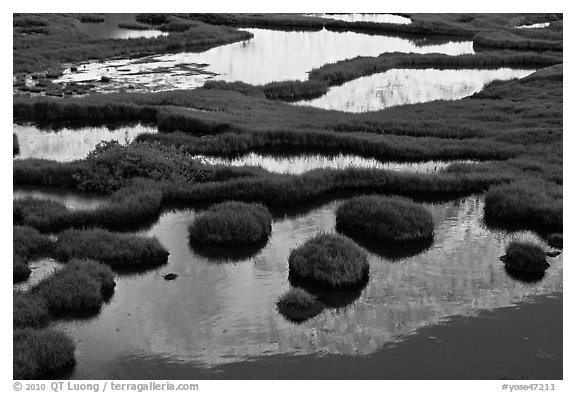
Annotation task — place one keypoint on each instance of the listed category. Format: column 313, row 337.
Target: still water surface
column 269, row 56
column 68, row 144
column 298, row 164
column 409, row 86
column 109, row 29
column 221, row 310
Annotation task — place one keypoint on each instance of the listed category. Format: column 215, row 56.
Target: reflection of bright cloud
column 408, row 86
column 217, row 313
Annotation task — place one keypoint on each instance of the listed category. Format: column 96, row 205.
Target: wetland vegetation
column 499, row 182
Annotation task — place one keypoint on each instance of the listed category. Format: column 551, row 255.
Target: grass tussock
column 79, row 288
column 329, row 259
column 15, row 144
column 525, row 257
column 232, row 223
column 295, row 90
column 385, row 219
column 531, row 204
column 29, row 311
column 297, row 305
column 555, row 240
column 115, row 249
column 37, row 353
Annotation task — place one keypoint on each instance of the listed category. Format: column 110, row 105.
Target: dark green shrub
column 329, row 259
column 115, row 249
column 232, row 223
column 37, row 353
column 80, row 287
column 297, row 305
column 29, row 311
column 385, row 219
column 525, row 257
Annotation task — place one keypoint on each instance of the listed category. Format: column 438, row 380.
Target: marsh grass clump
column 297, row 305
column 555, row 240
column 115, row 249
column 21, row 271
column 15, row 144
column 295, row 90
column 385, row 219
column 230, row 223
column 37, row 353
column 329, row 259
column 525, row 257
column 29, row 311
column 79, row 288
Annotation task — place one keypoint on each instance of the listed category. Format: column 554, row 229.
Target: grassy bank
column 58, row 40
column 385, row 219
column 120, row 251
column 329, row 260
column 38, row 353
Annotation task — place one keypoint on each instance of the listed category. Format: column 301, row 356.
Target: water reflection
column 408, row 86
column 377, row 18
column 298, row 164
column 270, row 56
column 535, row 26
column 218, row 313
column 68, row 144
column 110, row 29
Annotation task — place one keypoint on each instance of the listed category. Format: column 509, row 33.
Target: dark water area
column 68, row 144
column 271, row 55
column 221, row 312
column 409, row 86
column 376, row 18
column 110, row 29
column 300, row 163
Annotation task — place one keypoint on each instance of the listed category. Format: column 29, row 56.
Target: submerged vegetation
column 385, row 219
column 232, row 223
column 330, row 260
